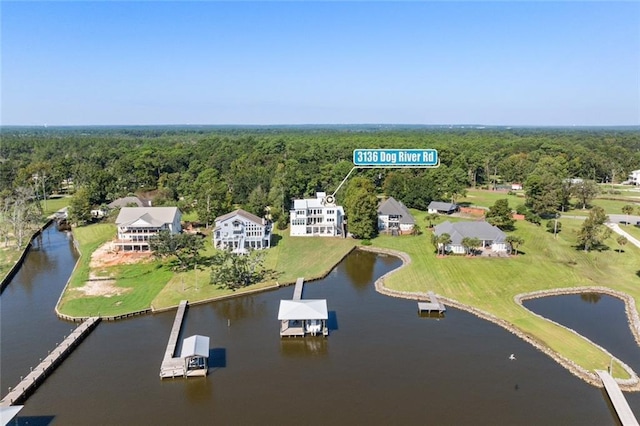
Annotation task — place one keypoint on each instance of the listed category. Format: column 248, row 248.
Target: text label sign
column 395, row 158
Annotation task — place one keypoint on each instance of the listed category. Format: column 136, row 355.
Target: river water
column 382, row 363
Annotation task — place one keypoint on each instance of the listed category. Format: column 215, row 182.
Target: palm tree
column 466, row 243
column 514, row 241
column 474, row 243
column 443, row 241
column 628, row 209
column 431, row 217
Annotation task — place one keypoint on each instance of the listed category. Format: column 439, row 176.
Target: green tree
column 500, row 215
column 211, row 196
column 554, row 226
column 185, row 247
column 628, row 209
column 622, row 241
column 515, row 241
column 593, row 231
column 361, row 203
column 80, row 207
column 443, row 240
column 257, row 202
column 234, row 271
column 585, row 191
column 431, row 218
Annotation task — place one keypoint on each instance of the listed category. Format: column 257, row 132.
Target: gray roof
column 245, row 214
column 126, row 201
column 153, row 216
column 441, row 206
column 392, row 207
column 478, row 229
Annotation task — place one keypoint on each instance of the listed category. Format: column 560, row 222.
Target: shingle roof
column 392, row 207
column 460, row 230
column 152, row 216
column 441, row 206
column 244, row 214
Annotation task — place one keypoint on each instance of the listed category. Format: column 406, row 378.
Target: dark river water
column 382, row 364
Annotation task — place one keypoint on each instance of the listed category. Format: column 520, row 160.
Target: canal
column 381, row 364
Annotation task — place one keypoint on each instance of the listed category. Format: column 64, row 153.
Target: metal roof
column 8, row 413
column 195, row 346
column 307, row 309
column 146, row 216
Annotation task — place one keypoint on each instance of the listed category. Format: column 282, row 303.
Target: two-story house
column 394, row 217
column 241, row 231
column 318, row 216
column 137, row 224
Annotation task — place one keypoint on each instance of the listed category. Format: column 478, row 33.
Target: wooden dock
column 174, row 366
column 297, row 292
column 618, row 400
column 37, row 375
column 434, row 305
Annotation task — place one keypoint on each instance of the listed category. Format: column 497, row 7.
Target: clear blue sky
column 493, row 63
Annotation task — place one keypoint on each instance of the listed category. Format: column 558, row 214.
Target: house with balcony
column 634, row 177
column 318, row 216
column 241, row 231
column 137, row 224
column 394, row 218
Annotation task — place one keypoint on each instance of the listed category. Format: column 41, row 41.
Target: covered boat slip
column 195, row 354
column 302, row 317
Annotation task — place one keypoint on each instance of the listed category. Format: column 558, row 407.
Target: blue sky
column 492, row 63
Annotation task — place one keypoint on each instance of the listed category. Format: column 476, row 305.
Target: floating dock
column 618, row 400
column 434, row 305
column 174, row 367
column 31, row 382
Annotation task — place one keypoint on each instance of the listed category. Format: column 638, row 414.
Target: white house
column 137, row 224
column 394, row 217
column 318, row 216
column 241, row 231
column 490, row 236
column 634, row 177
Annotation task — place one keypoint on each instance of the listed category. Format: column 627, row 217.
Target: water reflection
column 359, row 266
column 590, row 297
column 239, row 308
column 304, row 346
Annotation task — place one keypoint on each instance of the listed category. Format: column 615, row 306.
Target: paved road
column 617, row 229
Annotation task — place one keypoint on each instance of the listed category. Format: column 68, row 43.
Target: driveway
column 616, row 228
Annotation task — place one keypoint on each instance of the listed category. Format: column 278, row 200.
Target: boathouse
column 302, row 317
column 195, row 355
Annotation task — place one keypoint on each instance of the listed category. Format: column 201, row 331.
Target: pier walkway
column 174, row 367
column 618, row 400
column 434, row 305
column 31, row 382
column 297, row 292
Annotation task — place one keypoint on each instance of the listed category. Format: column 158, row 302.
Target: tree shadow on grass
column 275, row 239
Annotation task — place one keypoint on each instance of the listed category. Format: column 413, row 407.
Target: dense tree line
column 213, row 170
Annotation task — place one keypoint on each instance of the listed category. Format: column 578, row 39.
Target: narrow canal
column 381, row 364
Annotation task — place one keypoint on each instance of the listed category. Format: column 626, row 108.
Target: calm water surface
column 382, row 363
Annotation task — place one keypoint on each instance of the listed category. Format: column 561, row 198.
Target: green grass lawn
column 8, row 257
column 290, row 258
column 140, row 282
column 490, row 284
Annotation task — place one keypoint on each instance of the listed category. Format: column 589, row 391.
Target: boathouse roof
column 195, row 346
column 307, row 309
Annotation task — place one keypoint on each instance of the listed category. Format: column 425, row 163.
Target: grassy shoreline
column 491, row 288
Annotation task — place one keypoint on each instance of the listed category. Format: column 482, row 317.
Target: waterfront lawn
column 137, row 284
column 490, row 284
column 8, row 257
column 289, row 258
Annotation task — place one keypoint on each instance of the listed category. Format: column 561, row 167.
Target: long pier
column 297, row 292
column 434, row 305
column 618, row 400
column 31, row 382
column 174, row 367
